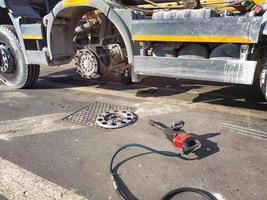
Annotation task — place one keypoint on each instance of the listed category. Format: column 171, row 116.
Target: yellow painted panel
column 259, row 2
column 32, row 37
column 171, row 4
column 75, row 2
column 219, row 3
column 191, row 38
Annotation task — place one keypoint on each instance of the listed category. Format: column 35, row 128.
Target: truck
column 213, row 40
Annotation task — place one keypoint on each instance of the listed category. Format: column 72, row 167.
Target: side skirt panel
column 226, row 71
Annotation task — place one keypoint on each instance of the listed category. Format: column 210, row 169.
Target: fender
column 64, row 18
column 2, row 4
column 7, row 18
column 264, row 21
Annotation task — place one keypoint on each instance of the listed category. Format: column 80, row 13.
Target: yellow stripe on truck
column 259, row 2
column 32, row 37
column 75, row 2
column 191, row 38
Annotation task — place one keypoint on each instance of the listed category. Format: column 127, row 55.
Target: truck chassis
column 105, row 35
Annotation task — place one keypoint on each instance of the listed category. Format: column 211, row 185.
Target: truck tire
column 18, row 74
column 260, row 77
column 263, row 81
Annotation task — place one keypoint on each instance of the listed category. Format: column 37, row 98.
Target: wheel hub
column 7, row 63
column 87, row 64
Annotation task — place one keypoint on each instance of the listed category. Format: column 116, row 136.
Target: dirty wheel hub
column 115, row 119
column 87, row 64
column 7, row 63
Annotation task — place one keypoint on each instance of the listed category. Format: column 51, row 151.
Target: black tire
column 260, row 76
column 259, row 84
column 23, row 76
column 263, row 80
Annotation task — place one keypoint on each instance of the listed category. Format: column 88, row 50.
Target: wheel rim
column 8, row 70
column 7, row 64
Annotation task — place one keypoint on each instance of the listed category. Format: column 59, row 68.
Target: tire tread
column 32, row 71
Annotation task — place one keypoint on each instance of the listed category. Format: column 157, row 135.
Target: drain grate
column 87, row 116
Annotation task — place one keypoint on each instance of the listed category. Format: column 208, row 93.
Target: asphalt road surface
column 45, row 157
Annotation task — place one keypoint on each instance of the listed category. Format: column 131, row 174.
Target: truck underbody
column 221, row 41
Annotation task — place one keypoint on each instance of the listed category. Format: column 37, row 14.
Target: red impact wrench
column 185, row 142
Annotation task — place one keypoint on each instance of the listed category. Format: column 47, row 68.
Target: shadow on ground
column 208, row 147
column 244, row 97
column 3, row 198
column 240, row 96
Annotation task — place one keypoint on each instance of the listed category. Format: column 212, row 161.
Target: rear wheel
column 260, row 76
column 14, row 72
column 263, row 81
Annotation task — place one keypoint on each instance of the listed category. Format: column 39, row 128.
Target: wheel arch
column 4, row 16
column 63, row 20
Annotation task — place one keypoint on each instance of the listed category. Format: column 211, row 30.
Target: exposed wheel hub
column 93, row 61
column 87, row 64
column 7, row 63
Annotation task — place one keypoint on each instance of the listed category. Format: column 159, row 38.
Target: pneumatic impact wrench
column 185, row 142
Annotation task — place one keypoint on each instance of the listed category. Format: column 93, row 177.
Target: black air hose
column 170, row 194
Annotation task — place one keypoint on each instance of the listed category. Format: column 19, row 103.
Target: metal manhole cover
column 87, row 116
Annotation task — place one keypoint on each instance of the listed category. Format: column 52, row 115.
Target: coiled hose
column 170, row 194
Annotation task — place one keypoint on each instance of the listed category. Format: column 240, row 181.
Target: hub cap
column 116, row 119
column 7, row 63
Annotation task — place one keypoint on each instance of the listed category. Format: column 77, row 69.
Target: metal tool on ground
column 182, row 140
column 116, row 119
